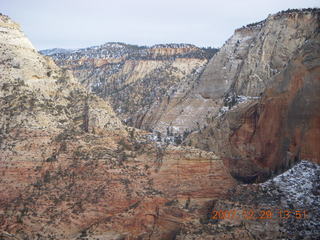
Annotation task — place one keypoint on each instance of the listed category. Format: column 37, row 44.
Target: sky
column 84, row 23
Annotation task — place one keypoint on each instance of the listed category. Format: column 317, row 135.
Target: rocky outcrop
column 37, row 94
column 260, row 136
column 133, row 78
column 271, row 134
column 285, row 207
column 254, row 54
column 71, row 170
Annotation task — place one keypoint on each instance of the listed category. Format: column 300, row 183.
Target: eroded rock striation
column 270, row 134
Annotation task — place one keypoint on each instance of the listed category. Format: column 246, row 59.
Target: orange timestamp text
column 253, row 214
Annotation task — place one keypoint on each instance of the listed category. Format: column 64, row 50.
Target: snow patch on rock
column 300, row 186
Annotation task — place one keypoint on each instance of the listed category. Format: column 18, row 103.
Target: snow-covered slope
column 292, row 199
column 299, row 186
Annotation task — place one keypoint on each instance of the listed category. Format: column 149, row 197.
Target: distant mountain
column 53, row 51
column 133, row 78
column 134, row 52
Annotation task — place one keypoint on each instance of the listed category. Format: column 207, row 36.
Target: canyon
column 119, row 141
column 233, row 95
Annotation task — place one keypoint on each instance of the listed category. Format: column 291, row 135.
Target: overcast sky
column 83, row 23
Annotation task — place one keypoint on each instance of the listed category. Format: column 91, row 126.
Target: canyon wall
column 267, row 132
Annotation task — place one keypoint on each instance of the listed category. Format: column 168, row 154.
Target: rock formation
column 286, row 207
column 260, row 136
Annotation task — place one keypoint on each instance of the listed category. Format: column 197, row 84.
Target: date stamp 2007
column 253, row 214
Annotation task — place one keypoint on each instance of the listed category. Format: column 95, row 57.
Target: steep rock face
column 69, row 168
column 262, row 136
column 133, row 78
column 32, row 82
column 257, row 52
column 181, row 112
column 244, row 67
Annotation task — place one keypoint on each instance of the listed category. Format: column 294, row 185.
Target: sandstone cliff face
column 133, row 78
column 32, row 82
column 254, row 54
column 243, row 68
column 266, row 135
column 69, row 168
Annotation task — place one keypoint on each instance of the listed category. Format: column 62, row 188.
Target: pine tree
column 86, row 114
